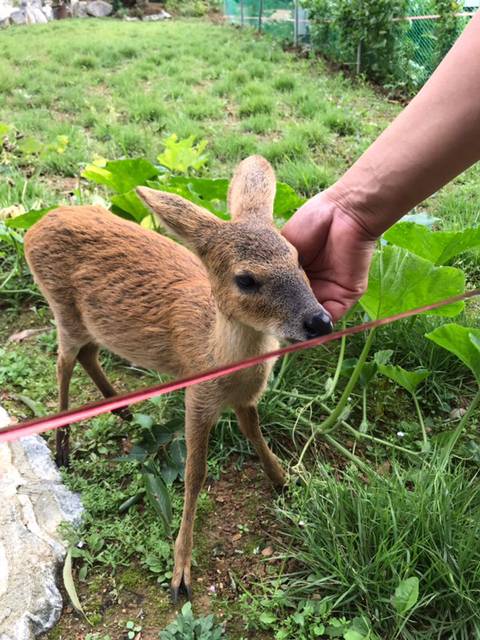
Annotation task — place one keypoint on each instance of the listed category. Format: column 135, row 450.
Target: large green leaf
column 437, row 246
column 158, row 497
column 121, row 175
column 28, row 219
column 409, row 380
column 129, row 203
column 462, row 341
column 406, row 595
column 399, row 281
column 210, row 194
column 287, row 201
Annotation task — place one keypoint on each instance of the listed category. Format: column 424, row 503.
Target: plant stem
column 420, row 419
column 338, row 369
column 364, row 423
column 331, row 421
column 355, row 433
column 348, row 454
column 281, row 371
column 458, row 431
column 367, row 436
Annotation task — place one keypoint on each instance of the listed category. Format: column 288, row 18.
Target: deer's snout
column 317, row 324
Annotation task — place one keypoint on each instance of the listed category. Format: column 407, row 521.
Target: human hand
column 335, row 250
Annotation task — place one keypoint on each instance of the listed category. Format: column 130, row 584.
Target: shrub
column 344, row 29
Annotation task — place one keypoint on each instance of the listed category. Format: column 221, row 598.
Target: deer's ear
column 252, row 191
column 189, row 222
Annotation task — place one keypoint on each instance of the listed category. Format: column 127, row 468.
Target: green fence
column 288, row 21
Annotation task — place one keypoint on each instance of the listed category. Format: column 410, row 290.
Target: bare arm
column 433, row 140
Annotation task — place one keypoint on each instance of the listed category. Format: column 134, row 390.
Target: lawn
column 332, row 556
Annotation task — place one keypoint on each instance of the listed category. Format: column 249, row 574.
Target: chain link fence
column 288, row 21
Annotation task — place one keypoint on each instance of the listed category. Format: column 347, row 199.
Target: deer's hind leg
column 88, row 358
column 72, row 335
column 199, row 420
column 249, row 424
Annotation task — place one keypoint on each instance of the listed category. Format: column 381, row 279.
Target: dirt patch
column 235, row 552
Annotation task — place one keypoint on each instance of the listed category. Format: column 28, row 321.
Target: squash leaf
column 409, row 380
column 464, row 342
column 437, row 246
column 399, row 281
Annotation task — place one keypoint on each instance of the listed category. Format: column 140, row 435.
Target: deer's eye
column 247, row 283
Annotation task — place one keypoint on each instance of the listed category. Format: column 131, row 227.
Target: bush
column 342, row 26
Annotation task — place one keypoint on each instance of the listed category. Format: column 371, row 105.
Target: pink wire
column 40, row 425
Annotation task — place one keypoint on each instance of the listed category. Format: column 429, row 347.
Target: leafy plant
column 308, row 620
column 181, row 156
column 132, row 629
column 187, row 627
column 448, row 25
column 161, row 455
column 438, row 247
column 15, row 146
column 366, row 31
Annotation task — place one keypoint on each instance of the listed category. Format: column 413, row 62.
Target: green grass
column 355, row 542
column 152, row 80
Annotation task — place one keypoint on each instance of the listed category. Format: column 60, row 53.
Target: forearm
column 434, row 139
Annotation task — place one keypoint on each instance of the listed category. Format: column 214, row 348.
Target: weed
column 255, row 105
column 187, row 627
column 285, row 83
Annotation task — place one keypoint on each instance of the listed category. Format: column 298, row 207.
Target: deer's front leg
column 199, row 420
column 249, row 424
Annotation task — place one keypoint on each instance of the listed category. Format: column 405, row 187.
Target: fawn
column 150, row 300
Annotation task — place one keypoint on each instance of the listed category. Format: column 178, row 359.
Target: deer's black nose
column 317, row 324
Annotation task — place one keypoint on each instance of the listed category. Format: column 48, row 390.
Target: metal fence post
column 295, row 23
column 242, row 13
column 260, row 15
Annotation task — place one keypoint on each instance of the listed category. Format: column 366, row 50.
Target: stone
column 79, row 9
column 99, row 9
column 33, row 503
column 18, row 17
column 163, row 15
column 34, row 15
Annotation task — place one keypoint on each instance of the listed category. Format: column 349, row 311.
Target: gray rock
column 48, row 11
column 99, row 9
column 79, row 9
column 34, row 15
column 33, row 502
column 18, row 17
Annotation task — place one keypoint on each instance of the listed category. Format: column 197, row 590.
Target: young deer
column 148, row 299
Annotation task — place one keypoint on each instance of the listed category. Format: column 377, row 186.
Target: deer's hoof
column 182, row 588
column 62, row 460
column 124, row 413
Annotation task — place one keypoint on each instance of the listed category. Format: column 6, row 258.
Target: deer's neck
column 233, row 340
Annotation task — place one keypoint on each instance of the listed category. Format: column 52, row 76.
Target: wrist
column 348, row 205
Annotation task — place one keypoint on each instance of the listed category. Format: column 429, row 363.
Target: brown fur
column 148, row 299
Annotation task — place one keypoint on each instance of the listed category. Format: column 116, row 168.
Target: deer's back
column 131, row 290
